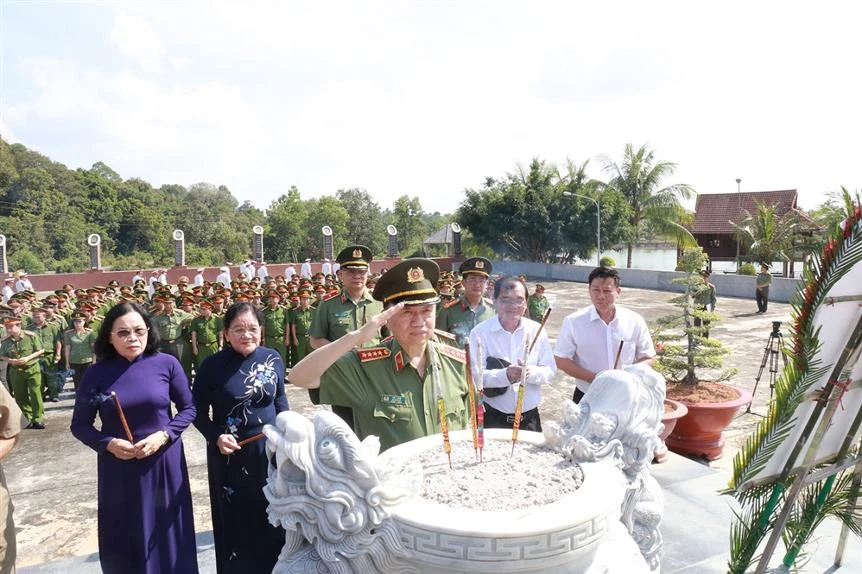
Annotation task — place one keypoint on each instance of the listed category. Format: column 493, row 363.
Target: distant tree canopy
column 541, row 214
column 47, row 211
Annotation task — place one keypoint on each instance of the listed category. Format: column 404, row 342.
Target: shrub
column 607, row 261
column 747, row 269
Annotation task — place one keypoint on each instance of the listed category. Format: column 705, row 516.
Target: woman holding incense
column 243, row 386
column 146, row 523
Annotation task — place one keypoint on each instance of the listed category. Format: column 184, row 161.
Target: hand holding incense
column 122, row 416
column 252, row 438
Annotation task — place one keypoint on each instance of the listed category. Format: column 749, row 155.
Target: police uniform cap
column 274, row 293
column 305, row 292
column 354, row 257
column 206, row 303
column 411, row 281
column 79, row 315
column 113, row 283
column 8, row 321
column 478, row 265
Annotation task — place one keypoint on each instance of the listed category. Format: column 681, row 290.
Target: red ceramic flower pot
column 699, row 432
column 669, row 419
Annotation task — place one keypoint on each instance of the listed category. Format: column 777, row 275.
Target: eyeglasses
column 138, row 332
column 512, row 302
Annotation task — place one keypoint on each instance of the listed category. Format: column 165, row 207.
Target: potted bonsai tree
column 692, row 363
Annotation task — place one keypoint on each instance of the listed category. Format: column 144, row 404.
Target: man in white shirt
column 335, row 267
column 262, row 271
column 289, row 272
column 199, row 278
column 305, row 269
column 504, row 339
column 224, row 276
column 7, row 289
column 326, row 268
column 23, row 284
column 163, row 277
column 138, row 276
column 591, row 338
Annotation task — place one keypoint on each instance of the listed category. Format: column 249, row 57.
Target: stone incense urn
column 577, row 499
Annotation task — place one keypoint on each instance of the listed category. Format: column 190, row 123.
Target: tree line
column 47, row 211
column 539, row 213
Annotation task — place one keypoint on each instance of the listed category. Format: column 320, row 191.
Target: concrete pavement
column 52, row 477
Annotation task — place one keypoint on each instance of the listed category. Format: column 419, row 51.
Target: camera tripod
column 770, row 355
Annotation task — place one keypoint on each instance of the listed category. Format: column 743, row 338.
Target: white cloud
column 136, row 38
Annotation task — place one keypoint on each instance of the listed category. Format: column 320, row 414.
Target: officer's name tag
column 394, row 399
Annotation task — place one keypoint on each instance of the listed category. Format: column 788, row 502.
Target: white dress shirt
column 499, row 343
column 7, row 293
column 593, row 344
column 305, row 269
column 289, row 272
column 223, row 278
column 199, row 279
column 326, row 268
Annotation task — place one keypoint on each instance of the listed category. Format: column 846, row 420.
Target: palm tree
column 767, row 236
column 639, row 181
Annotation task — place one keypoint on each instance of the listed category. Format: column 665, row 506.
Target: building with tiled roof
column 714, row 212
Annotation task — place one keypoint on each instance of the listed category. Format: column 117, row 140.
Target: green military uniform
column 206, row 330
column 49, row 334
column 459, row 319
column 338, row 316
column 274, row 329
column 187, row 359
column 170, row 328
column 301, row 319
column 26, row 380
column 390, row 399
column 537, row 304
column 761, row 293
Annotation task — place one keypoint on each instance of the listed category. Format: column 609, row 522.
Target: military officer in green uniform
column 393, row 387
column 187, row 360
column 346, row 312
column 206, row 332
column 49, row 334
column 169, row 322
column 22, row 350
column 275, row 321
column 300, row 323
column 537, row 303
column 461, row 315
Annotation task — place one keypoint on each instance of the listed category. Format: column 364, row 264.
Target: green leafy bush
column 607, row 261
column 747, row 269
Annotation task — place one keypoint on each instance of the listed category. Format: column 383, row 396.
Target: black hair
column 605, row 273
column 507, row 282
column 103, row 347
column 237, row 309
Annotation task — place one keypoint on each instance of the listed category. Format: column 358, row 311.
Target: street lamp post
column 738, row 208
column 598, row 225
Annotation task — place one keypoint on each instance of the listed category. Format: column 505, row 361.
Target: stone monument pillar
column 179, row 248
column 257, row 243
column 392, row 251
column 95, row 243
column 327, row 242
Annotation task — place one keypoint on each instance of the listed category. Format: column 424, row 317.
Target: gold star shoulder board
column 445, row 336
column 452, row 353
column 372, row 354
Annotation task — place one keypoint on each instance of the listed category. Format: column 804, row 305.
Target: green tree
column 639, row 180
column 285, row 226
column 407, row 217
column 367, row 225
column 766, row 236
column 325, row 211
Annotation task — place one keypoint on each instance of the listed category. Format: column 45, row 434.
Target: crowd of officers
column 46, row 341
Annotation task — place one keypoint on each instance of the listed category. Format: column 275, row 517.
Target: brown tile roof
column 713, row 211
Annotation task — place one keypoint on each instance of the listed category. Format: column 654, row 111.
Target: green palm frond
column 802, row 373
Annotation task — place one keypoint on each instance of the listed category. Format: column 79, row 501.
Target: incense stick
column 122, row 416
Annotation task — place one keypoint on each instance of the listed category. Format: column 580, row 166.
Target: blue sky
column 429, row 98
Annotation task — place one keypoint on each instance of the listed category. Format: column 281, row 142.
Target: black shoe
column 38, row 426
column 29, row 426
column 54, row 400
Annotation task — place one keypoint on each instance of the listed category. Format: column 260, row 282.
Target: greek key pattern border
column 485, row 549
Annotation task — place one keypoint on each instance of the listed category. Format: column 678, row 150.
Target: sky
column 427, row 99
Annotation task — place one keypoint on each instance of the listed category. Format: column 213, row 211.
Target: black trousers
column 762, row 298
column 530, row 420
column 577, row 395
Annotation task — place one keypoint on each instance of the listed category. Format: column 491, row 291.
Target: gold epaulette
column 449, row 337
column 451, row 303
column 372, row 354
column 453, row 353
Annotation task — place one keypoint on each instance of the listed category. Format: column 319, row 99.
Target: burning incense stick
column 480, row 405
column 471, row 400
column 441, row 406
column 122, row 416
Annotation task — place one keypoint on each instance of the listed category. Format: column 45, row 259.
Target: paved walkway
column 52, row 476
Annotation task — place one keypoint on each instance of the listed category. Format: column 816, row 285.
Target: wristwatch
column 167, row 436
